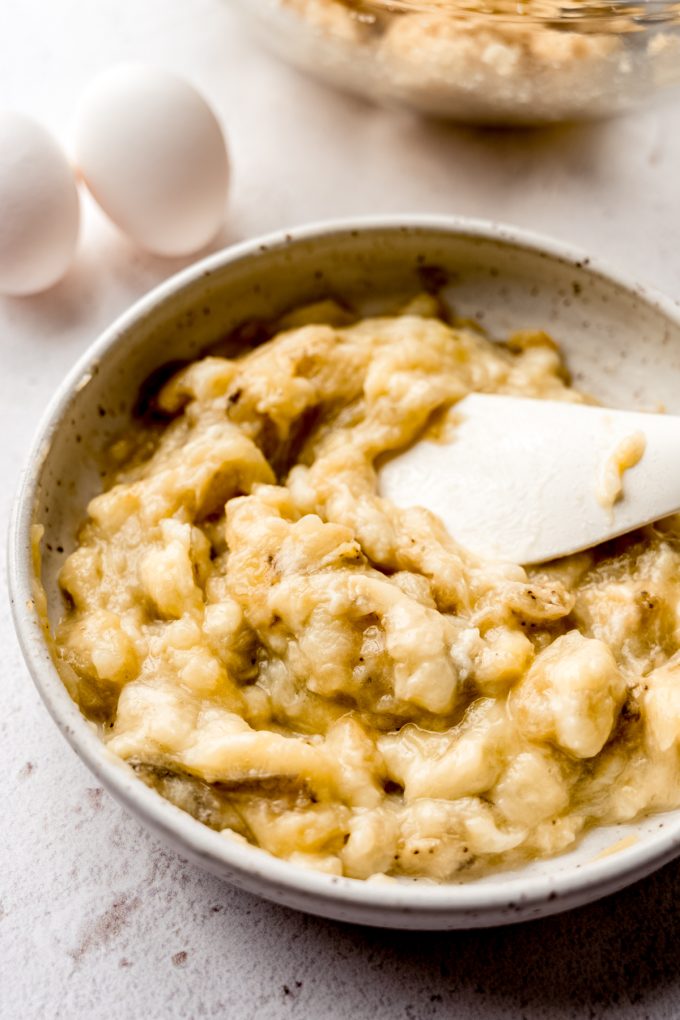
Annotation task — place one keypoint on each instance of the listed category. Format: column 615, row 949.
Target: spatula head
column 530, row 480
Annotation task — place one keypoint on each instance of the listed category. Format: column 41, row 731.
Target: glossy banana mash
column 299, row 663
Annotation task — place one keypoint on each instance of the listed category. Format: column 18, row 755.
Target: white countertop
column 97, row 919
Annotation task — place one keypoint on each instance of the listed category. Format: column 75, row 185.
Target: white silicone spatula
column 530, row 480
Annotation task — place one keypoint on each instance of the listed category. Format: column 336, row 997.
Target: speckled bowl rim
column 410, row 905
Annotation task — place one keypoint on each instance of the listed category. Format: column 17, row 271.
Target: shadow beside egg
column 108, row 274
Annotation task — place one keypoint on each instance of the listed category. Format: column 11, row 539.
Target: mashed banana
column 296, row 661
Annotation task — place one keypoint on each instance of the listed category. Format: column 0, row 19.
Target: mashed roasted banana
column 294, row 660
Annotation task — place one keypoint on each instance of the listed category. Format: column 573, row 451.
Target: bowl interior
column 621, row 345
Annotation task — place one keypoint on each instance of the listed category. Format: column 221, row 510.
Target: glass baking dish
column 505, row 62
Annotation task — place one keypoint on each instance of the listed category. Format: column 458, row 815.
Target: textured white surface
column 96, row 919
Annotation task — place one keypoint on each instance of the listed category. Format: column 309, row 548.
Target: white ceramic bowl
column 622, row 343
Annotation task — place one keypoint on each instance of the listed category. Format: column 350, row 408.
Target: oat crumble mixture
column 300, row 664
column 536, row 61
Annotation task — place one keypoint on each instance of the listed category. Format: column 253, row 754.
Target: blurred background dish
column 523, row 62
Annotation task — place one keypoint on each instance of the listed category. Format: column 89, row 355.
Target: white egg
column 39, row 207
column 153, row 155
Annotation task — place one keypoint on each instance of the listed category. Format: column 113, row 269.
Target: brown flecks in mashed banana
column 298, row 663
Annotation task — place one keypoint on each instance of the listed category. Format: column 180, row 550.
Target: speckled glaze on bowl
column 623, row 345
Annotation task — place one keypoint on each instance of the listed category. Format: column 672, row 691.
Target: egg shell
column 153, row 155
column 39, row 207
